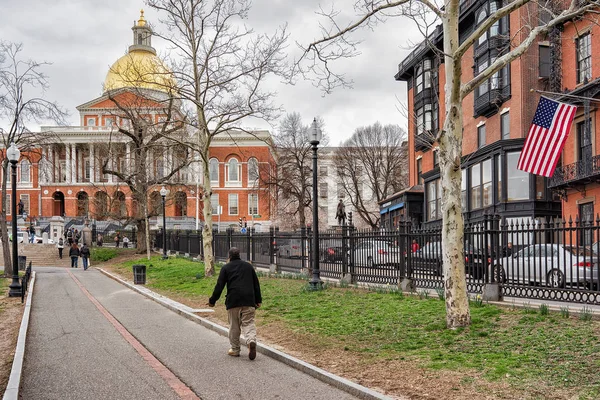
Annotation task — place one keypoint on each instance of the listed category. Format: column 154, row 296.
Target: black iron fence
column 552, row 260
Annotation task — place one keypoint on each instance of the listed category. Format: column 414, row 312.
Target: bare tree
column 19, row 79
column 292, row 180
column 337, row 43
column 221, row 67
column 375, row 158
column 158, row 155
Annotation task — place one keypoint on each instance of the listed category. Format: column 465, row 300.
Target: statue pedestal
column 57, row 228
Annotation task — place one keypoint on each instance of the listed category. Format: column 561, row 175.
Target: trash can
column 139, row 274
column 22, row 263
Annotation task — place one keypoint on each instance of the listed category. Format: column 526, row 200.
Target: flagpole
column 565, row 95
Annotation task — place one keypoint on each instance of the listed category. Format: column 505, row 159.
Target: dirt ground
column 11, row 311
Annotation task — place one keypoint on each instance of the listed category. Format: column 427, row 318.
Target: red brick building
column 65, row 177
column 497, row 117
column 577, row 178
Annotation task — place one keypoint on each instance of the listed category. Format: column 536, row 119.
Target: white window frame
column 90, row 121
column 109, row 121
column 235, row 196
column 229, row 182
column 28, row 174
column 26, row 203
column 87, row 169
column 253, row 181
column 250, row 201
column 212, row 181
column 213, row 197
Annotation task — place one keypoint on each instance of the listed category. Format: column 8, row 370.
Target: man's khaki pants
column 241, row 320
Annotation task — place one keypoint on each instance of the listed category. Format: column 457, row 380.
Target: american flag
column 547, row 136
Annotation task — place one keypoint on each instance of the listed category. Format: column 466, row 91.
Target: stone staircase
column 43, row 255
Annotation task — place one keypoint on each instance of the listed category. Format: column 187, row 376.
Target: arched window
column 214, row 170
column 252, row 171
column 233, row 170
column 25, row 171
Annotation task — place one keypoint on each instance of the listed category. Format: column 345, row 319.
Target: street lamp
column 163, row 193
column 315, row 136
column 13, row 155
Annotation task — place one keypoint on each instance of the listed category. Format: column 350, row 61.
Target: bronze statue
column 341, row 213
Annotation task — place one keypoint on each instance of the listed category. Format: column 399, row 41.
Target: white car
column 553, row 265
column 20, row 236
column 376, row 252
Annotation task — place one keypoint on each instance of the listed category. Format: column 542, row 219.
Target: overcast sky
column 82, row 38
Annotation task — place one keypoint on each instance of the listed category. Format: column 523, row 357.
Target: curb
column 346, row 385
column 14, row 382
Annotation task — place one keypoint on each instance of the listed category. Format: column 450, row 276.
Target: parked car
column 429, row 259
column 20, row 236
column 554, row 265
column 330, row 250
column 289, row 247
column 374, row 252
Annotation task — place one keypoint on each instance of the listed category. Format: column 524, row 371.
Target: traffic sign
column 244, row 230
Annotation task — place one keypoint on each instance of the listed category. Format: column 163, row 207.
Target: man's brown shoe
column 233, row 353
column 252, row 353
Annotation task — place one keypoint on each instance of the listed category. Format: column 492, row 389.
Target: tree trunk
column 3, row 226
column 207, row 234
column 450, row 147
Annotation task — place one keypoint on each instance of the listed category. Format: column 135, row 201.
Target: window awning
column 396, row 206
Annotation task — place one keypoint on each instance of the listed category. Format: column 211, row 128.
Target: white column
column 73, row 163
column 127, row 158
column 92, row 163
column 68, row 162
column 52, row 164
column 111, row 166
column 42, row 166
column 150, row 166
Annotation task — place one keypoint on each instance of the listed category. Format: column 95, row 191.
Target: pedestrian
column 31, row 233
column 125, row 242
column 415, row 246
column 85, row 255
column 117, row 240
column 99, row 240
column 508, row 250
column 242, row 299
column 74, row 254
column 21, row 207
column 77, row 236
column 60, row 245
column 70, row 236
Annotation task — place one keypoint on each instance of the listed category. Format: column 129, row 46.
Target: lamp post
column 315, row 135
column 13, row 155
column 163, row 193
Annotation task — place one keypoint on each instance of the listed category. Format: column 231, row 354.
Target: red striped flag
column 547, row 136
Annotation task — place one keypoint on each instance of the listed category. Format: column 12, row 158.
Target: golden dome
column 140, row 69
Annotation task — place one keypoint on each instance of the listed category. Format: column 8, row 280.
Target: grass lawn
column 505, row 353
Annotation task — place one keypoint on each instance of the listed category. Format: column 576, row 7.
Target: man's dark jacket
column 243, row 289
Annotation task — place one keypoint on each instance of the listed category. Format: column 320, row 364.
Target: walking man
column 85, row 254
column 242, row 300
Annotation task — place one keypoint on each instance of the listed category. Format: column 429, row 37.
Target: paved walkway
column 90, row 337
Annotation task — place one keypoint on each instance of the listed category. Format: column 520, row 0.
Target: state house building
column 65, row 177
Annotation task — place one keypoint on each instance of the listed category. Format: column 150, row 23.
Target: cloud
column 83, row 38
